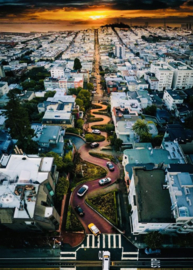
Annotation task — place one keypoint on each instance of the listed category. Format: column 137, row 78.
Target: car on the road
column 104, row 181
column 150, row 251
column 94, row 229
column 96, row 131
column 110, row 166
column 94, row 145
column 82, row 190
column 79, row 210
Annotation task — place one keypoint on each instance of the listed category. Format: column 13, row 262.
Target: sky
column 74, row 14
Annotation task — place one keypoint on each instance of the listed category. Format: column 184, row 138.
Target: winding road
column 90, row 215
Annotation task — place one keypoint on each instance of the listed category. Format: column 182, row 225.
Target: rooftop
column 149, row 155
column 179, row 66
column 153, row 202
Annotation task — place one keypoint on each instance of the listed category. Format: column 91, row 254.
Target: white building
column 27, row 189
column 161, row 202
column 4, row 89
column 57, row 71
column 183, row 75
column 120, row 51
column 171, row 98
column 164, row 75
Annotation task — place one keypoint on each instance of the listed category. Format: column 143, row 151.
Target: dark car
column 79, row 210
column 94, row 145
column 149, row 251
column 110, row 166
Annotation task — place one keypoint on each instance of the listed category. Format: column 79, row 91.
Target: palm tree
column 140, row 127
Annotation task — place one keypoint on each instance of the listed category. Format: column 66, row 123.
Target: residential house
column 49, row 138
column 27, row 192
column 4, row 89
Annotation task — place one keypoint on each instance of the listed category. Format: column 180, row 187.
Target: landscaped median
column 72, row 222
column 86, row 171
column 102, row 156
column 94, row 138
column 106, row 205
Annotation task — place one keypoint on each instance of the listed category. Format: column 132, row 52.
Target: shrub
column 94, row 119
column 73, row 130
column 72, row 222
column 61, row 188
column 94, row 138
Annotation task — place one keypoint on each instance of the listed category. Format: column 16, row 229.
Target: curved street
column 90, row 215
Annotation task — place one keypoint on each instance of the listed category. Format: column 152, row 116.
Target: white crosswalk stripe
column 103, row 241
column 67, row 255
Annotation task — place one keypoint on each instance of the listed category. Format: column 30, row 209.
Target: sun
column 96, row 17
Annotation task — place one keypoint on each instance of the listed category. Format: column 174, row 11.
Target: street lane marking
column 114, row 240
column 103, row 240
column 98, row 242
column 87, row 240
column 119, row 240
column 109, row 240
column 93, row 241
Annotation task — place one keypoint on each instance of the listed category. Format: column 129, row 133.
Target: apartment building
column 27, row 189
column 161, row 199
column 183, row 75
column 4, row 89
column 172, row 98
column 164, row 75
column 120, row 51
column 58, row 71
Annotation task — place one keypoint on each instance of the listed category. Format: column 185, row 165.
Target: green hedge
column 94, row 138
column 72, row 222
column 100, row 127
column 106, row 205
column 103, row 156
column 94, row 119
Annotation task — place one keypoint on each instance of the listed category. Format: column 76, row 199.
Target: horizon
column 79, row 15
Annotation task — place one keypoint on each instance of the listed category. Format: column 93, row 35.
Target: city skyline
column 74, row 15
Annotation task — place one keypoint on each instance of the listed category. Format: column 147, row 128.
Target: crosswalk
column 103, row 241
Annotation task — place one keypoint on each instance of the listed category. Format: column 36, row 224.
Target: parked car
column 94, row 145
column 79, row 210
column 110, row 166
column 104, row 181
column 82, row 190
column 94, row 229
column 149, row 251
column 96, row 131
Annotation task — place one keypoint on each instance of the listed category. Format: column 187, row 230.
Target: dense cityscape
column 96, row 164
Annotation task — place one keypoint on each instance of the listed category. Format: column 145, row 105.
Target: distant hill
column 118, row 25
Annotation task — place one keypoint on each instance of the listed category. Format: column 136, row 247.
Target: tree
column 57, row 160
column 80, row 123
column 61, row 188
column 19, row 124
column 154, row 240
column 77, row 64
column 74, row 91
column 117, row 144
column 150, row 110
column 79, row 102
column 85, row 96
column 49, row 94
column 109, row 128
column 90, row 86
column 140, row 127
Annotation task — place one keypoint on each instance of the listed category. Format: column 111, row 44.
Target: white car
column 104, row 181
column 82, row 190
column 96, row 131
